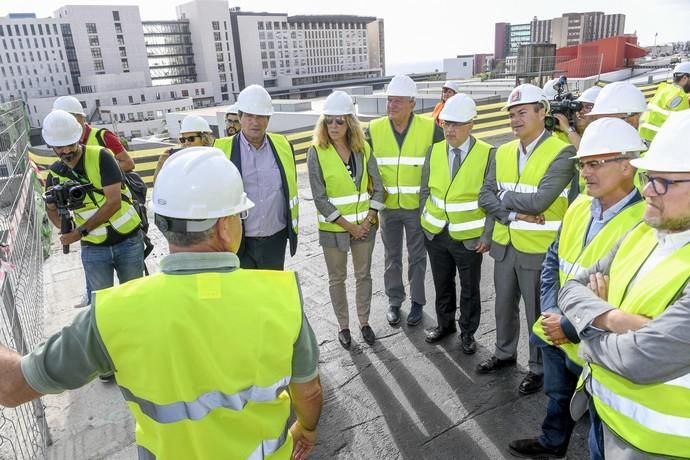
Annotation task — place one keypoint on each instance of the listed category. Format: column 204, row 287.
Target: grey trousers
column 393, row 222
column 513, row 281
column 336, row 262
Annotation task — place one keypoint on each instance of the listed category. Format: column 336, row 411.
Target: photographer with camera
column 567, row 115
column 87, row 181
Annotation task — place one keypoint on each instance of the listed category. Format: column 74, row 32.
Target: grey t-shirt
column 76, row 355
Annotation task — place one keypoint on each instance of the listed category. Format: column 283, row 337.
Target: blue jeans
column 595, row 440
column 100, row 262
column 560, row 380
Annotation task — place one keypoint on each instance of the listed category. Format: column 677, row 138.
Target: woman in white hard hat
column 448, row 90
column 348, row 193
column 194, row 132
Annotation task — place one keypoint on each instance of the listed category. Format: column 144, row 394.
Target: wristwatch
column 571, row 129
column 83, row 231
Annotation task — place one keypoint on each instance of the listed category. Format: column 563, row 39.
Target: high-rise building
column 577, row 28
column 169, row 51
column 509, row 37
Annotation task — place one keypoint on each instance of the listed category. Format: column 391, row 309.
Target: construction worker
column 267, row 164
column 592, row 225
column 448, row 90
column 620, row 100
column 232, row 121
column 107, row 224
column 194, row 132
column 632, row 312
column 103, row 137
column 525, row 191
column 666, row 100
column 197, row 377
column 341, row 168
column 457, row 230
column 400, row 141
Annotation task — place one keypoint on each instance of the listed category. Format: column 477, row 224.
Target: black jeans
column 445, row 257
column 264, row 253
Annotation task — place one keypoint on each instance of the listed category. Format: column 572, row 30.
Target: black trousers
column 264, row 253
column 445, row 257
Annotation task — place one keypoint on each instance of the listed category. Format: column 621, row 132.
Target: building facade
column 577, row 28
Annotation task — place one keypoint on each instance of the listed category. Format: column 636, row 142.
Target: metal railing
column 23, row 431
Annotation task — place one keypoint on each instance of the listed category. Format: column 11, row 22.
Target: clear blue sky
column 431, row 30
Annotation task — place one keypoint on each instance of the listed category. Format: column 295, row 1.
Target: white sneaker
column 83, row 302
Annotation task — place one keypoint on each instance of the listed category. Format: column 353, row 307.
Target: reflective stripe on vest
column 124, row 221
column 453, row 203
column 229, row 392
column 659, row 108
column 524, row 236
column 401, row 168
column 352, row 201
column 574, row 256
column 654, row 418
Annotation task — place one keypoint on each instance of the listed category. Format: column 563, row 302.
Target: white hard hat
column 402, row 85
column 609, row 135
column 670, row 151
column 681, row 68
column 525, row 94
column 60, row 128
column 459, row 108
column 452, row 85
column 549, row 91
column 619, row 97
column 194, row 124
column 590, row 95
column 69, row 104
column 338, row 103
column 232, row 110
column 255, row 100
column 199, row 183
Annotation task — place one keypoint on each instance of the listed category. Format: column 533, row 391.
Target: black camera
column 564, row 103
column 68, row 195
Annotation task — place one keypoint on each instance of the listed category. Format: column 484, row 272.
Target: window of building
column 216, row 36
column 118, row 28
column 185, row 93
column 120, row 39
column 116, row 15
column 203, row 91
column 143, row 98
column 55, row 29
column 215, row 25
column 98, row 65
column 93, row 40
column 172, row 94
column 114, row 100
column 221, row 68
column 33, row 30
column 26, row 32
column 123, row 51
column 131, row 99
column 125, row 64
column 219, row 46
column 96, row 53
column 90, row 28
column 219, row 57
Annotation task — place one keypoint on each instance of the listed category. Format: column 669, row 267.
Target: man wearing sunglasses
column 632, row 312
column 594, row 222
column 267, row 164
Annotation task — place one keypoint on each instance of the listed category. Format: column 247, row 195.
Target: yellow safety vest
column 287, row 162
column 574, row 256
column 668, row 98
column 204, row 360
column 351, row 200
column 654, row 418
column 454, row 202
column 124, row 221
column 524, row 236
column 401, row 168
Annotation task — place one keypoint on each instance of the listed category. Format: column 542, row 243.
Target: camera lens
column 76, row 194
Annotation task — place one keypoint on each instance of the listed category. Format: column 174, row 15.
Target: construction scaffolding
column 23, row 431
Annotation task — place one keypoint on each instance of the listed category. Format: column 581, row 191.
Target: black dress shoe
column 344, row 338
column 531, row 448
column 469, row 345
column 531, row 383
column 368, row 335
column 493, row 364
column 393, row 315
column 436, row 333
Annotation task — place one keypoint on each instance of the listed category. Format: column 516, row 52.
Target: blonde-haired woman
column 194, row 132
column 348, row 193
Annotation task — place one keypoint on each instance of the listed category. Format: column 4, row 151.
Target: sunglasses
column 597, row 164
column 184, row 139
column 338, row 121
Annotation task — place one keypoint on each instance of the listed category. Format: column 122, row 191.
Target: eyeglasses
column 455, row 124
column 597, row 164
column 184, row 139
column 338, row 121
column 232, row 122
column 659, row 184
column 244, row 214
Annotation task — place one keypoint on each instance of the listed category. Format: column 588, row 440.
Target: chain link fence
column 23, row 431
column 542, row 68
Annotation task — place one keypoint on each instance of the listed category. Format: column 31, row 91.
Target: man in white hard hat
column 632, row 313
column 457, row 230
column 232, row 121
column 592, row 225
column 267, row 164
column 620, row 100
column 107, row 224
column 400, row 142
column 448, row 90
column 525, row 191
column 666, row 100
column 90, row 136
column 199, row 380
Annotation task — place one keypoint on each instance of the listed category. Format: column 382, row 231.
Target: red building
column 600, row 56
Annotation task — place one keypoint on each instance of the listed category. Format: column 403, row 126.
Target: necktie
column 456, row 162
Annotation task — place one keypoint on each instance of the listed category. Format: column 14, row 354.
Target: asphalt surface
column 398, row 399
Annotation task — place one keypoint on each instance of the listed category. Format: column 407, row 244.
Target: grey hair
column 184, row 239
